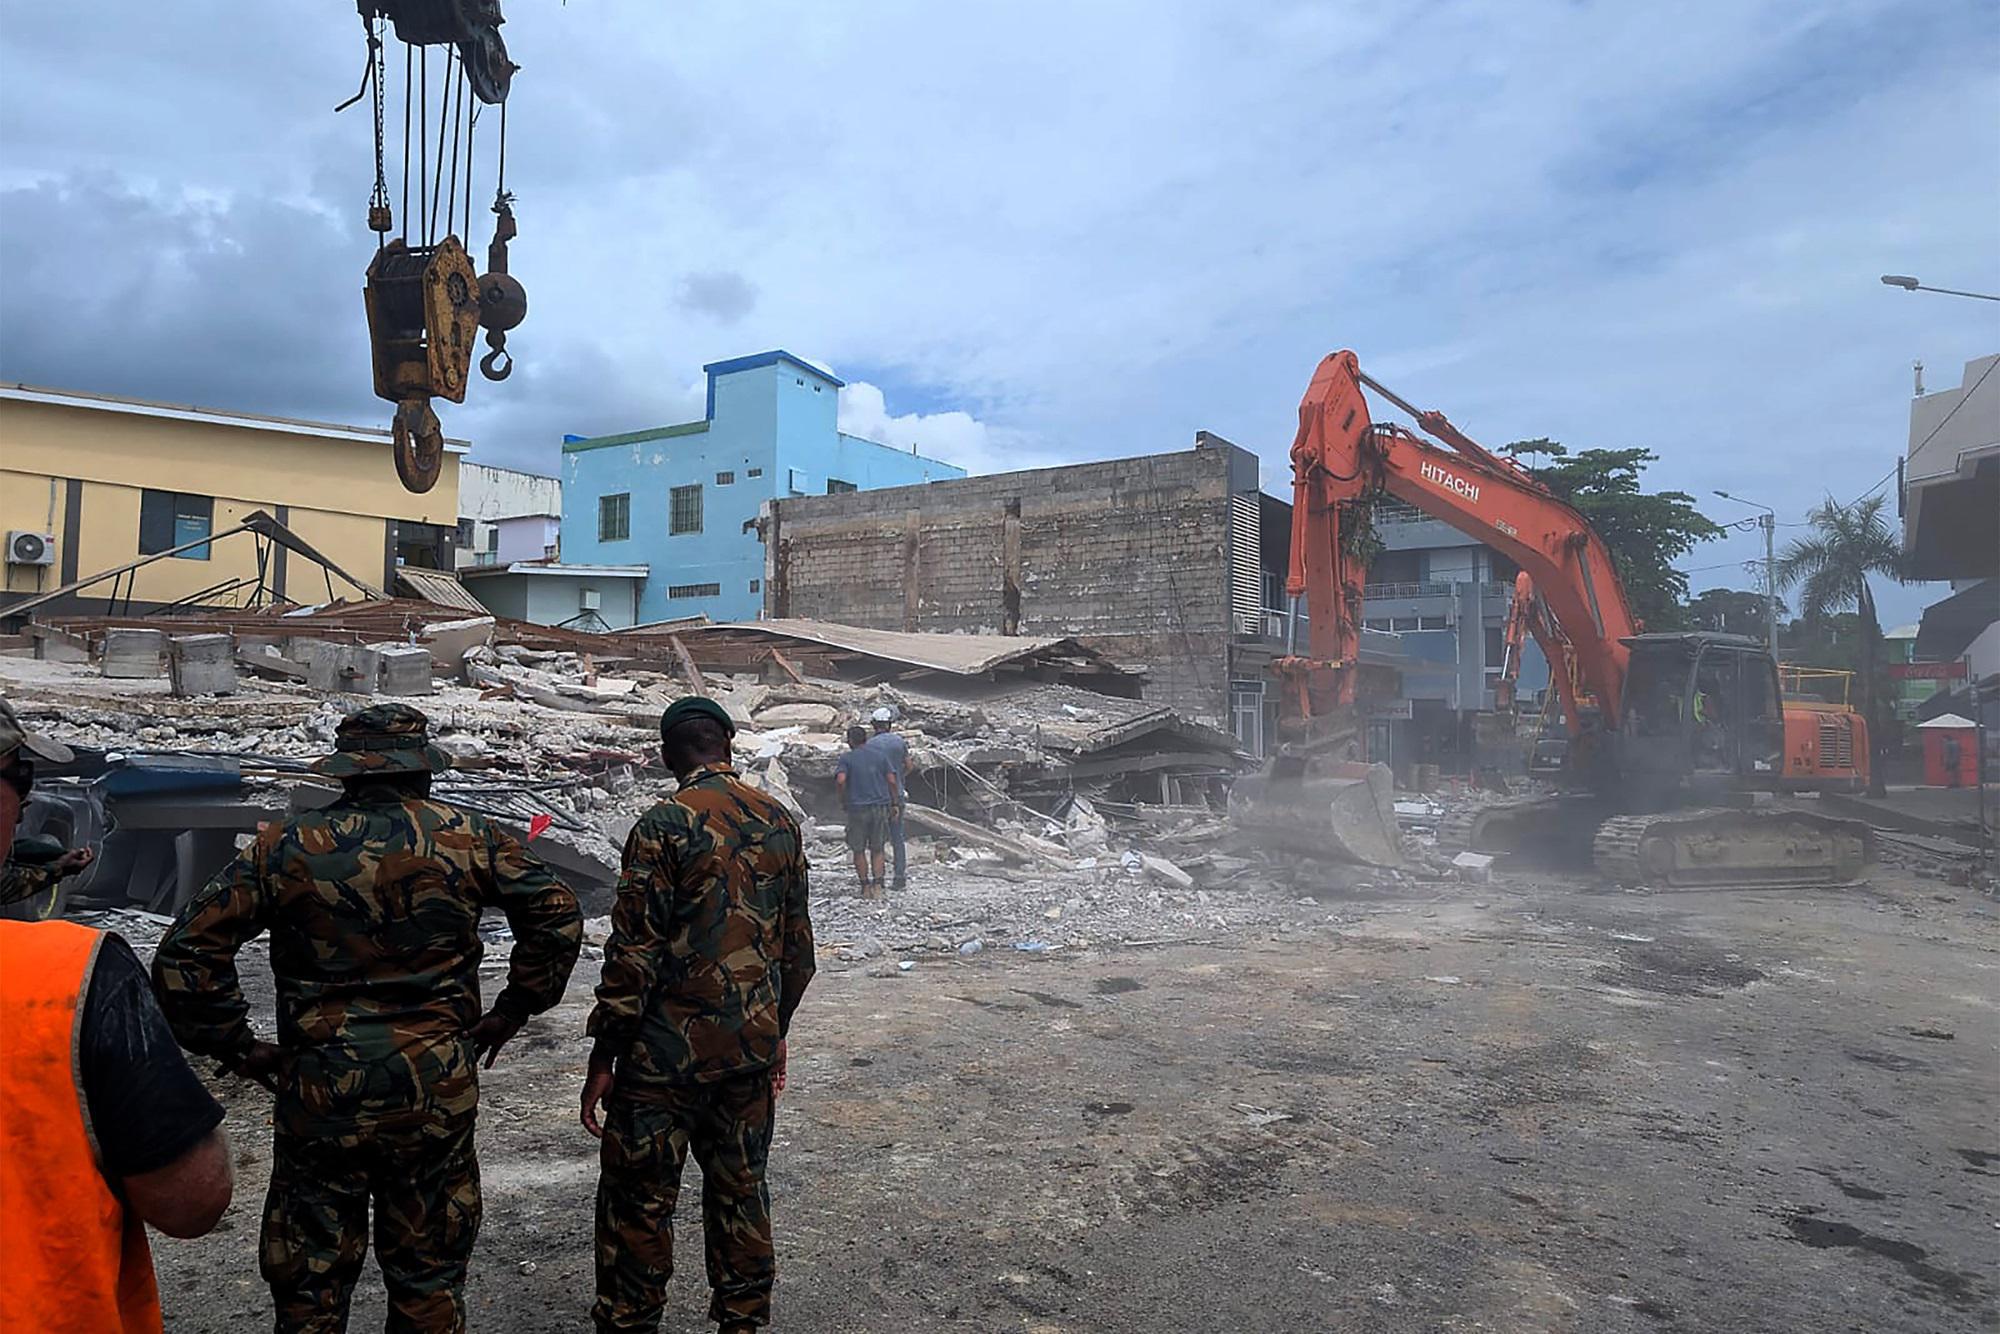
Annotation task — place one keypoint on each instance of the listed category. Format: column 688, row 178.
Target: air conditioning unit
column 589, row 599
column 26, row 548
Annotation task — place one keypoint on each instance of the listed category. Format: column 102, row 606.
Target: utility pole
column 1768, row 521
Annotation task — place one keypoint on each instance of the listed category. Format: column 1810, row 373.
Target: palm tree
column 1831, row 568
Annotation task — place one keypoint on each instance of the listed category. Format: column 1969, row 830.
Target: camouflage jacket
column 18, row 882
column 711, row 945
column 373, row 908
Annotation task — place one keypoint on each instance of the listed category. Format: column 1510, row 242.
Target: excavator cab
column 1702, row 717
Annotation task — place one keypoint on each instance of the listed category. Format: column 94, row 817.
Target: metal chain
column 379, row 199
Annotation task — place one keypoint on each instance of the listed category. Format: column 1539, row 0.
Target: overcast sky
column 1031, row 232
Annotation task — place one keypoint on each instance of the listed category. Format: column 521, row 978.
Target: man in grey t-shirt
column 870, row 790
column 898, row 751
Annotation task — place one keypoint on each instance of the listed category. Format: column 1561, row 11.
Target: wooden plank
column 694, row 676
column 778, row 656
column 1020, row 850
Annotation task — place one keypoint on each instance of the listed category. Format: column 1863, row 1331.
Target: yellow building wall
column 340, row 493
column 25, row 506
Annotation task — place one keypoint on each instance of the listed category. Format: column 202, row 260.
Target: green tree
column 1731, row 610
column 1646, row 531
column 1831, row 567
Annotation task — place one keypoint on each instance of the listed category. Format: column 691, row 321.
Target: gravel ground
column 1528, row 1106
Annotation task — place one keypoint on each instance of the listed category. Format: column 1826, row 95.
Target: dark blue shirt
column 897, row 749
column 867, row 771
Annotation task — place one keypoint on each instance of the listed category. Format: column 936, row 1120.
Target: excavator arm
column 1341, row 459
column 1512, row 641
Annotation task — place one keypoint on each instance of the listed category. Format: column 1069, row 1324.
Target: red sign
column 1927, row 671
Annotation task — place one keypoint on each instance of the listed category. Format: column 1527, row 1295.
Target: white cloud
column 1099, row 228
column 954, row 437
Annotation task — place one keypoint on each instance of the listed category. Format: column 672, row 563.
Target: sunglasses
column 20, row 775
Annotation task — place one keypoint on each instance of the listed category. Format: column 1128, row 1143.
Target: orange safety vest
column 76, row 1259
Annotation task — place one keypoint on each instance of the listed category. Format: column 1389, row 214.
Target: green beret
column 695, row 706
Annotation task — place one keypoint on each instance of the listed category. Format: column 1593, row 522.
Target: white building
column 1951, row 478
column 505, row 516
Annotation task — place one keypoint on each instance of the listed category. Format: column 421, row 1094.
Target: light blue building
column 684, row 500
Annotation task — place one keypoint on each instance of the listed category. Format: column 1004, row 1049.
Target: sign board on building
column 1387, row 709
column 1927, row 671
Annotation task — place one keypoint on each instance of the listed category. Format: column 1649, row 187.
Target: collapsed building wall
column 1131, row 556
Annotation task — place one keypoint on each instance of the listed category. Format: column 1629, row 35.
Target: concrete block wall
column 1130, row 555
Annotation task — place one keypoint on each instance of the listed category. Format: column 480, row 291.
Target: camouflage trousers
column 646, row 1141
column 424, row 1184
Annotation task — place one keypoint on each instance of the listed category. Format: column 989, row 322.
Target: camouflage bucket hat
column 14, row 737
column 383, row 739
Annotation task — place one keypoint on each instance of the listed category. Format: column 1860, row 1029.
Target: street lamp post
column 1909, row 284
column 1768, row 521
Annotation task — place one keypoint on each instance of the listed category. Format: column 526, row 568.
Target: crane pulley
column 424, row 301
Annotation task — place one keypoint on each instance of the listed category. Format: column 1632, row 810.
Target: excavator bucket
column 1342, row 811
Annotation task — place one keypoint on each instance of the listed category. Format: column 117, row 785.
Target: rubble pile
column 1044, row 814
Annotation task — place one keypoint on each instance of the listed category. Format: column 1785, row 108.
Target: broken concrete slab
column 820, row 716
column 267, row 662
column 449, row 641
column 1159, row 868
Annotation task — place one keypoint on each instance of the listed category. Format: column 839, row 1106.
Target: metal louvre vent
column 1246, row 564
column 1836, row 744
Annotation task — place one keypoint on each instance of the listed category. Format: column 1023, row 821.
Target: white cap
column 885, row 714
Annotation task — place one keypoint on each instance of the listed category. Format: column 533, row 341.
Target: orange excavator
column 1675, row 742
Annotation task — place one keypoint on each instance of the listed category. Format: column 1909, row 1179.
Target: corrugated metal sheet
column 965, row 655
column 439, row 587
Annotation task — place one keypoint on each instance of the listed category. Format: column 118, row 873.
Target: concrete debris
column 201, row 665
column 819, row 717
column 1163, row 870
column 1028, row 798
column 1474, row 867
column 134, row 655
column 450, row 641
column 405, row 668
column 338, row 668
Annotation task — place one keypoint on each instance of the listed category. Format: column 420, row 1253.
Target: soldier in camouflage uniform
column 710, row 950
column 373, row 906
column 36, row 868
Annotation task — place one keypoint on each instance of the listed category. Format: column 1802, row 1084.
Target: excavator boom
column 1341, row 459
column 1705, row 724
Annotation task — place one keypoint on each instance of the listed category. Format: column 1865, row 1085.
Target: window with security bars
column 725, row 479
column 684, row 510
column 614, row 517
column 836, row 487
column 693, row 590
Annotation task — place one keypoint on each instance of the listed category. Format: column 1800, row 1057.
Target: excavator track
column 1547, row 828
column 1727, row 848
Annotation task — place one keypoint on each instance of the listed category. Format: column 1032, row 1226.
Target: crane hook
column 499, row 363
